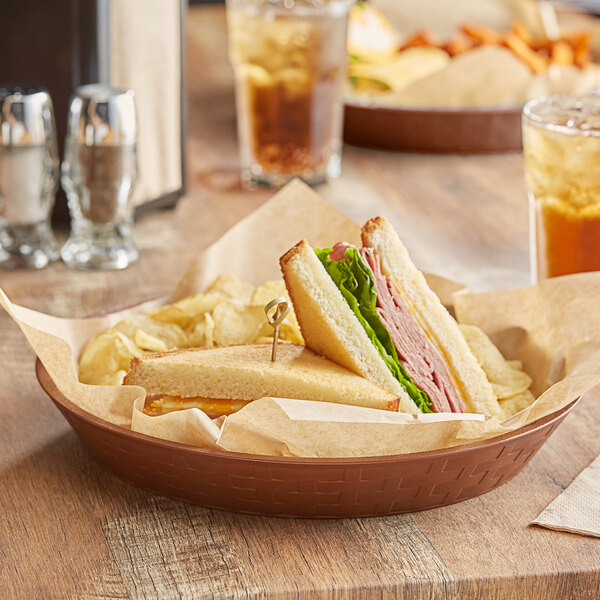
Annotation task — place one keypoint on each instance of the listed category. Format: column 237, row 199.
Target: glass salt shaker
column 28, row 177
column 99, row 173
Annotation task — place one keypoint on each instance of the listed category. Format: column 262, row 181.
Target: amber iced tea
column 561, row 146
column 289, row 61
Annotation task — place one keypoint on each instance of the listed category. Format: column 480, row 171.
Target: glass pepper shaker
column 99, row 173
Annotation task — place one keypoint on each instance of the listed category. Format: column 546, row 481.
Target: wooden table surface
column 69, row 529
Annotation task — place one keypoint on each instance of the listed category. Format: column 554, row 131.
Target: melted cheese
column 214, row 407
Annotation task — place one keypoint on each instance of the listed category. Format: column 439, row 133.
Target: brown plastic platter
column 436, row 130
column 303, row 487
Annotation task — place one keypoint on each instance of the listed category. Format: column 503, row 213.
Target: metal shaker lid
column 101, row 115
column 26, row 116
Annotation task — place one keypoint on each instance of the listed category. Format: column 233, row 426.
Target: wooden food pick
column 282, row 308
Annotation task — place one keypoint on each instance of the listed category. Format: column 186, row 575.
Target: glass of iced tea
column 561, row 147
column 289, row 60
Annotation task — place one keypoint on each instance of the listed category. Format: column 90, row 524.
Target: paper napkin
column 577, row 509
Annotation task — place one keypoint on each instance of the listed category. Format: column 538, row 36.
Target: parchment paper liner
column 553, row 328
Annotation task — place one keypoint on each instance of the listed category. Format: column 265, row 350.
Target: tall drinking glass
column 561, row 147
column 289, row 59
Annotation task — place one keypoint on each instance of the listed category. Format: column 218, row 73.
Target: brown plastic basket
column 430, row 129
column 304, row 487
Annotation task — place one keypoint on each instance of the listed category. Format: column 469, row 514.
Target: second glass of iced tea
column 561, row 147
column 289, row 59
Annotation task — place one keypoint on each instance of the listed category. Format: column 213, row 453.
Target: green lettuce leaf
column 355, row 281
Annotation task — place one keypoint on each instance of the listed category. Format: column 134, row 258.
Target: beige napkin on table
column 577, row 509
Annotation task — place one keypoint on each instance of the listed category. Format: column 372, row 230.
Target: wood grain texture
column 69, row 529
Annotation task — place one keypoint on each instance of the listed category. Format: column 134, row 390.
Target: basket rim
column 464, row 111
column 47, row 384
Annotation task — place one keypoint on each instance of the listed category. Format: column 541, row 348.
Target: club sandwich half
column 370, row 309
column 222, row 380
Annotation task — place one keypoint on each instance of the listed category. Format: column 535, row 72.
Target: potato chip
column 516, row 382
column 117, row 378
column 268, row 291
column 235, row 324
column 287, row 333
column 105, row 356
column 199, row 304
column 516, row 403
column 232, row 287
column 172, row 315
column 515, row 364
column 145, row 341
column 187, row 313
column 231, row 312
column 506, row 381
column 209, row 330
column 290, row 330
column 197, row 337
column 170, row 333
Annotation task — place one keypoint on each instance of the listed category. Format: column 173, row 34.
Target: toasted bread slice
column 245, row 372
column 329, row 326
column 432, row 316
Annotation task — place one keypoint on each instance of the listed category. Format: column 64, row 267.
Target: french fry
column 562, row 53
column 538, row 53
column 541, row 43
column 521, row 30
column 458, row 44
column 485, row 35
column 420, row 38
column 581, row 49
column 545, row 51
column 535, row 61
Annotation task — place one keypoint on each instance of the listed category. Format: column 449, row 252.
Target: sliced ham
column 338, row 252
column 417, row 354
